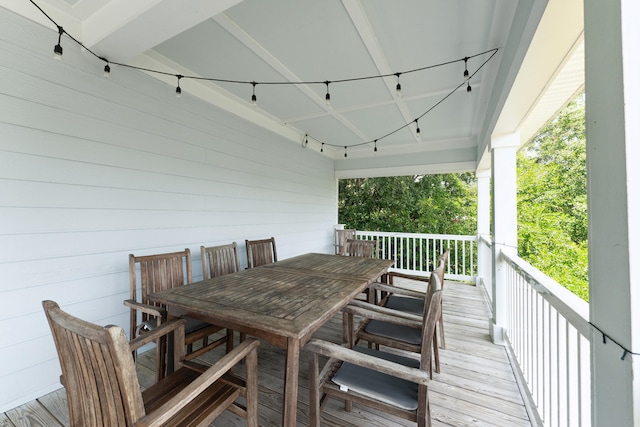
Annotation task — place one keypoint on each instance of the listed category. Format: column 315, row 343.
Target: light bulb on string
column 468, row 89
column 322, row 148
column 375, row 145
column 254, row 98
column 398, row 86
column 107, row 71
column 178, row 88
column 327, row 97
column 57, row 49
column 466, row 71
column 345, row 151
column 417, row 127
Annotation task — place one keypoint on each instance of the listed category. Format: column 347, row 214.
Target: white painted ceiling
column 293, row 41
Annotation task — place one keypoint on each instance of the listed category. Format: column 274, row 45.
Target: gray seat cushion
column 406, row 304
column 385, row 388
column 397, row 332
column 194, row 325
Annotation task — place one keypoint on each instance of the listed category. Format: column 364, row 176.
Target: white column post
column 484, row 222
column 505, row 223
column 612, row 63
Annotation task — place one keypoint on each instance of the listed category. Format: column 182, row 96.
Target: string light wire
column 467, row 77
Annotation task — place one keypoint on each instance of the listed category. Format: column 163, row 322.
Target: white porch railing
column 549, row 333
column 547, row 328
column 485, row 265
column 418, row 253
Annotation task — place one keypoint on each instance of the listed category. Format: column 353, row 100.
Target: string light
column 466, row 71
column 178, row 89
column 254, row 98
column 375, row 145
column 398, row 86
column 327, row 97
column 625, row 351
column 57, row 49
column 467, row 76
column 305, row 141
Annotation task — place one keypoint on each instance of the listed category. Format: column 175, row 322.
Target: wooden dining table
column 283, row 303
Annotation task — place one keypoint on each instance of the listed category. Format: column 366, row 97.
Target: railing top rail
column 568, row 304
column 417, row 235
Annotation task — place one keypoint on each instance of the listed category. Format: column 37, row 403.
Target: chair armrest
column 208, row 377
column 409, row 276
column 146, row 308
column 375, row 312
column 396, row 290
column 339, row 352
column 156, row 333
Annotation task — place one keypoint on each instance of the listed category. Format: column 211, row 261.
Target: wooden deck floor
column 476, row 385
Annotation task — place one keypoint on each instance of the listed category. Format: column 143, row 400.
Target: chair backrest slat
column 362, row 248
column 261, row 252
column 219, row 260
column 432, row 314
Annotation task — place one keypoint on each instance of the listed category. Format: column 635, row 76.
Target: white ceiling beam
column 255, row 47
column 124, row 29
column 363, row 27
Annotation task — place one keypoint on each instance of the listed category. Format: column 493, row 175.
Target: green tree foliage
column 552, row 200
column 438, row 204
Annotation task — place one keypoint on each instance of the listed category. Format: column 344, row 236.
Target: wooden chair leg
column 314, row 392
column 251, row 362
column 436, row 353
column 229, row 340
column 441, row 321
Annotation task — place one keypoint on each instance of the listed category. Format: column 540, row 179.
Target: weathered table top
column 288, row 299
column 283, row 303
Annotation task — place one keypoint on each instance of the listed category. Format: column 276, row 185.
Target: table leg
column 291, row 383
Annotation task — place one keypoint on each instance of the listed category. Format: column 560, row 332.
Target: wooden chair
column 261, row 252
column 341, row 240
column 159, row 272
column 388, row 382
column 362, row 248
column 218, row 261
column 102, row 386
column 379, row 327
column 410, row 302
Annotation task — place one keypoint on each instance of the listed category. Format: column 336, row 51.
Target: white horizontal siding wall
column 92, row 169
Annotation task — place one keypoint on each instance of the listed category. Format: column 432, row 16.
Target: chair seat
column 194, row 325
column 386, row 388
column 395, row 332
column 406, row 304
